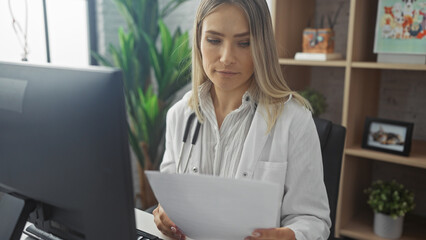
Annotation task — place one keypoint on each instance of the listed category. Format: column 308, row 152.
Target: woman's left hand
column 272, row 233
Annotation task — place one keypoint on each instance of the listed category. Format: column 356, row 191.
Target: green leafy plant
column 316, row 99
column 390, row 198
column 148, row 97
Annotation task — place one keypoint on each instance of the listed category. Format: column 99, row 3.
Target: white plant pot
column 387, row 227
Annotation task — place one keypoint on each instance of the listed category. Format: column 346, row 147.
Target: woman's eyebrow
column 222, row 35
column 242, row 34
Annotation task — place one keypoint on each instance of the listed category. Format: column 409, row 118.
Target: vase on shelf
column 387, row 227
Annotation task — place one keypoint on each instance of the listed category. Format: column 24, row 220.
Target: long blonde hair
column 269, row 87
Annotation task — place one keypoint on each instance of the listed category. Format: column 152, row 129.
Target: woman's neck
column 226, row 102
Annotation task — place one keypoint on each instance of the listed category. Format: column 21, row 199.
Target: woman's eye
column 213, row 41
column 244, row 44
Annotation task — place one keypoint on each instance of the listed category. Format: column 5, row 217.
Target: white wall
column 109, row 20
column 184, row 15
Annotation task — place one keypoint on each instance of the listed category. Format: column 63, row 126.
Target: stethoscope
column 185, row 137
column 194, row 140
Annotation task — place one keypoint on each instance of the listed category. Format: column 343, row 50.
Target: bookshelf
column 290, row 61
column 361, row 92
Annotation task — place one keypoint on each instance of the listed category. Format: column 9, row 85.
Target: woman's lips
column 227, row 73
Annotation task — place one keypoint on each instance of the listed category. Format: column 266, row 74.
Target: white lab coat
column 289, row 155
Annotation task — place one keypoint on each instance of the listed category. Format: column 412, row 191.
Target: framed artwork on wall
column 401, row 29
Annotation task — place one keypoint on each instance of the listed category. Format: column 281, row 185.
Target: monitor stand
column 14, row 214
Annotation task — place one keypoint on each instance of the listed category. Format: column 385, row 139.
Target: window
column 10, row 48
column 67, row 23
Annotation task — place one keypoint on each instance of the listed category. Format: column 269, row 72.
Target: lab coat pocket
column 271, row 172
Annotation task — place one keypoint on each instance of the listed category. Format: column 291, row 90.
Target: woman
column 252, row 124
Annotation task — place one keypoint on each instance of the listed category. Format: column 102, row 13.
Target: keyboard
column 36, row 233
column 141, row 235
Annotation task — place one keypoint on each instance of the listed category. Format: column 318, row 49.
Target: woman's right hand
column 165, row 225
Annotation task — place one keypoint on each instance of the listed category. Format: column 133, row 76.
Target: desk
column 144, row 221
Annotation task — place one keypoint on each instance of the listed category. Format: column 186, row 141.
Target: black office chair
column 332, row 140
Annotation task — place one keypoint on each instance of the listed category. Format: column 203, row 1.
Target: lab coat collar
column 254, row 144
column 252, row 149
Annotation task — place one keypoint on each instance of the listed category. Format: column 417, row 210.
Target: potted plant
column 390, row 201
column 147, row 46
column 316, row 99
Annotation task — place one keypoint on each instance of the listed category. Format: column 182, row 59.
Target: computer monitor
column 64, row 151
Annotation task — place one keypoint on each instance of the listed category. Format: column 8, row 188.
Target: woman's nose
column 227, row 56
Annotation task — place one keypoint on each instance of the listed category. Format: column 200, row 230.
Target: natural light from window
column 68, row 31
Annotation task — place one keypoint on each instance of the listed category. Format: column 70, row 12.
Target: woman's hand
column 272, row 233
column 165, row 225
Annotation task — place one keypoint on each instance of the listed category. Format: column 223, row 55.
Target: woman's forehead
column 226, row 20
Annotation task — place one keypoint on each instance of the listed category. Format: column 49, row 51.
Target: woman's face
column 225, row 49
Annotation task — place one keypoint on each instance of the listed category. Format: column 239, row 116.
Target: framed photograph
column 401, row 27
column 387, row 136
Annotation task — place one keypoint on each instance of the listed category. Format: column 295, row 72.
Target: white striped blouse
column 221, row 148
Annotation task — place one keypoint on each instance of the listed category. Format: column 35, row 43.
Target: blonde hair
column 268, row 86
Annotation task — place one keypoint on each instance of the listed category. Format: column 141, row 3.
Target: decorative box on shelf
column 318, row 40
column 318, row 45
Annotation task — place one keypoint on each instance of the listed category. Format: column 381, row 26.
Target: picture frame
column 388, row 136
column 401, row 27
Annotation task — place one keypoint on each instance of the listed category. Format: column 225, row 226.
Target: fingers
column 165, row 225
column 272, row 233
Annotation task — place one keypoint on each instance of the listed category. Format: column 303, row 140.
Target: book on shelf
column 318, row 56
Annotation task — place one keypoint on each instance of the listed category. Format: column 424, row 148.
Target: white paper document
column 208, row 207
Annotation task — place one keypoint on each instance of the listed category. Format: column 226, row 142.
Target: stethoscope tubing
column 193, row 142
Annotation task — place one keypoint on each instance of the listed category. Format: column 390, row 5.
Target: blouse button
column 195, row 169
column 245, row 174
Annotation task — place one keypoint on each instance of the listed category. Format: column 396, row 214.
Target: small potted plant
column 316, row 99
column 390, row 202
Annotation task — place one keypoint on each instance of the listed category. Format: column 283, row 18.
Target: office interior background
column 401, row 96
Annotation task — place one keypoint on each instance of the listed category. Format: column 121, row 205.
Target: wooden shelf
column 390, row 66
column 342, row 63
column 361, row 227
column 361, row 91
column 291, row 61
column 417, row 157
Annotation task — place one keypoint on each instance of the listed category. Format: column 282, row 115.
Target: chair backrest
column 332, row 140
